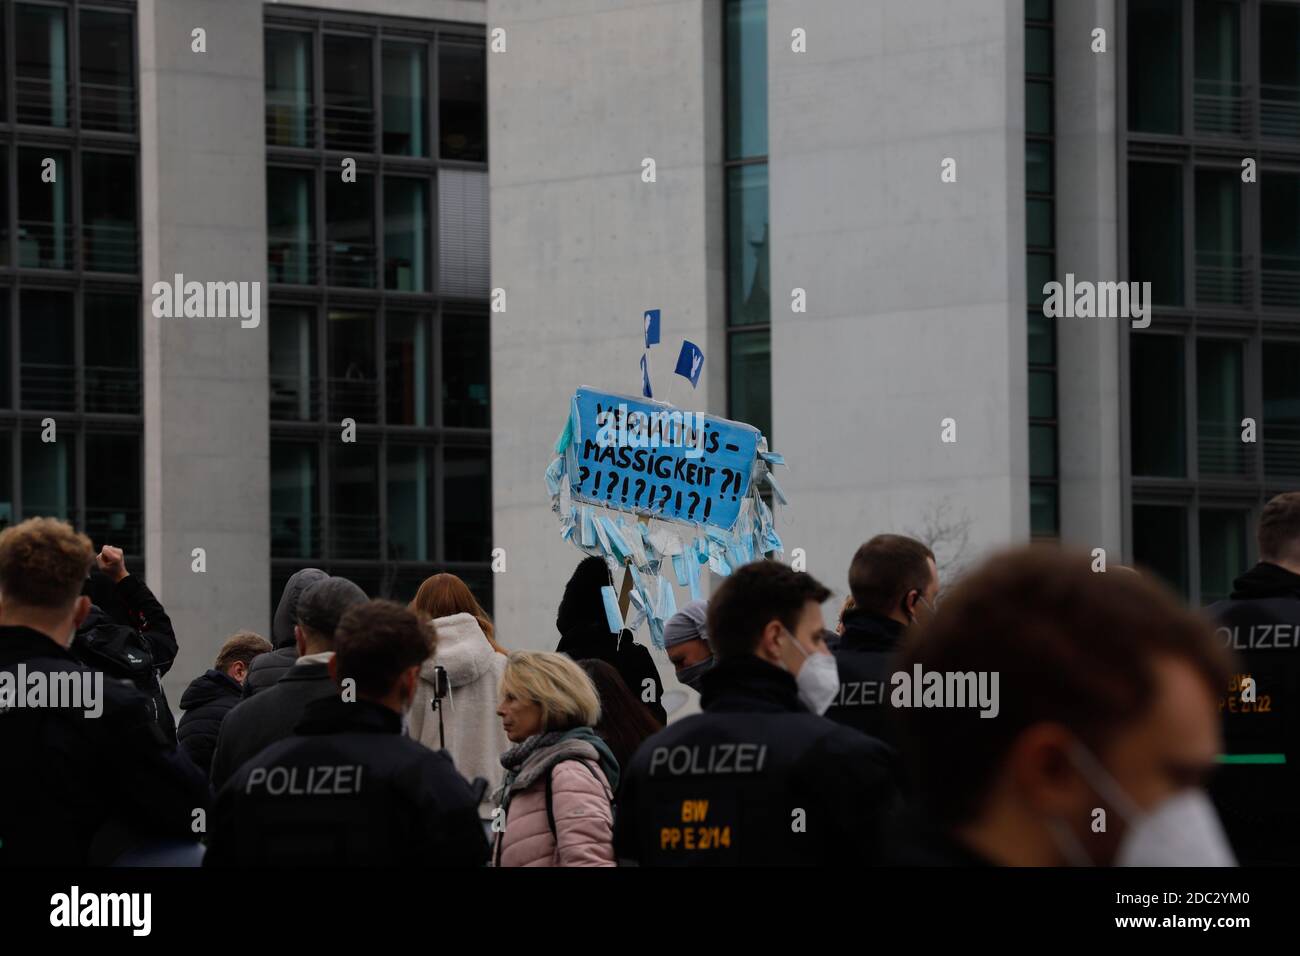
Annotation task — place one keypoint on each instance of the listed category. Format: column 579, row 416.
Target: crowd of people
column 1044, row 711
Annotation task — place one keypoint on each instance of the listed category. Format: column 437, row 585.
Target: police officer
column 349, row 788
column 757, row 779
column 1257, row 790
column 894, row 582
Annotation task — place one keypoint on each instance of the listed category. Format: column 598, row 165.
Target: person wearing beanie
column 584, row 633
column 260, row 721
column 686, row 637
column 267, row 670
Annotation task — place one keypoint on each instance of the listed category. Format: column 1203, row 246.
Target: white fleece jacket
column 471, row 728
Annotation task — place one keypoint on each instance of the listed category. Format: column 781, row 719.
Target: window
column 406, row 232
column 289, row 226
column 1281, row 425
column 349, row 95
column 6, row 479
column 113, row 512
column 48, row 478
column 1156, row 229
column 463, row 253
column 1155, row 66
column 290, row 111
column 41, row 65
column 465, row 366
column 350, row 231
column 354, row 381
column 1160, row 542
column 1217, row 93
column 48, row 372
column 409, row 375
column 751, row 375
column 404, row 104
column 45, row 214
column 747, row 246
column 1279, row 209
column 462, row 101
column 354, row 500
column 295, row 518
column 295, row 393
column 1223, row 551
column 1279, row 71
column 108, row 212
column 112, row 337
column 1156, row 394
column 746, row 78
column 107, row 71
column 1220, row 270
column 1220, row 406
column 411, row 526
column 469, row 521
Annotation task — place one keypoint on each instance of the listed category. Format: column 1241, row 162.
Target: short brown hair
column 374, row 642
column 885, row 569
column 43, row 563
column 1070, row 646
column 241, row 648
column 751, row 597
column 1279, row 528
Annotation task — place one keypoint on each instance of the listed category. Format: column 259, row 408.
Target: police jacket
column 348, row 789
column 1257, row 789
column 865, row 659
column 82, row 784
column 754, row 780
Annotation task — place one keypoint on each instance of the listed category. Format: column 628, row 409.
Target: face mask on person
column 1181, row 830
column 818, row 679
column 690, row 675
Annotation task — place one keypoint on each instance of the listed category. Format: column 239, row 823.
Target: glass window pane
column 354, row 377
column 462, row 102
column 6, row 354
column 1279, row 70
column 1038, row 9
column 48, row 476
column 295, row 513
column 746, row 78
column 1042, row 394
column 465, row 367
column 4, row 194
column 354, row 500
column 463, row 254
column 1220, row 273
column 1042, row 451
column 1218, row 99
column 350, row 231
column 1160, row 542
column 1042, row 339
column 108, row 212
column 1038, row 224
column 1280, row 237
column 1038, row 51
column 113, row 510
column 467, row 487
column 107, row 71
column 750, row 370
column 289, row 226
column 406, row 231
column 41, row 65
column 294, row 393
column 1156, row 380
column 748, row 278
column 289, row 104
column 44, row 211
column 407, row 369
column 1155, row 66
column 1041, row 269
column 404, row 109
column 112, row 364
column 47, row 372
column 1038, row 167
column 1281, row 426
column 1155, row 240
column 349, row 94
column 410, row 503
column 1043, row 510
column 1222, row 551
column 1219, row 408
column 6, row 480
column 1038, row 108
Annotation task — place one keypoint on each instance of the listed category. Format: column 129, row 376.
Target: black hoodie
column 1259, row 793
column 206, row 702
column 267, row 669
column 585, row 635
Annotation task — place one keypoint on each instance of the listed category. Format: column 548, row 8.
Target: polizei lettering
column 683, row 761
column 278, row 781
column 1261, row 637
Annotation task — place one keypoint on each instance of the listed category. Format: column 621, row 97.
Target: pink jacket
column 584, row 820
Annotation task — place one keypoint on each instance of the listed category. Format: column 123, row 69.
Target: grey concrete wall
column 582, row 246
column 467, row 11
column 1087, row 240
column 203, row 162
column 916, row 298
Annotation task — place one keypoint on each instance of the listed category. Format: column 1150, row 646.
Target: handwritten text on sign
column 653, row 459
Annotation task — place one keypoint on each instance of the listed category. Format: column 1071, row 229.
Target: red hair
column 441, row 595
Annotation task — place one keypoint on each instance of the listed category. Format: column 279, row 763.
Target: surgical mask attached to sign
column 818, row 678
column 1182, row 830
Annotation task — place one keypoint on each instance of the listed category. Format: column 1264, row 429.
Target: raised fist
column 110, row 561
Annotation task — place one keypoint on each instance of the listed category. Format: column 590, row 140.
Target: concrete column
column 1087, row 243
column 203, row 179
column 915, row 287
column 581, row 245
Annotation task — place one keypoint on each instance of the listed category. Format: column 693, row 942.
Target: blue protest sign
column 645, row 378
column 656, row 460
column 651, row 319
column 690, row 362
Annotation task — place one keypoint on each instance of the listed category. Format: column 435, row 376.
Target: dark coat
column 256, row 723
column 205, row 703
column 1259, row 802
column 348, row 789
column 79, row 790
column 865, row 659
column 727, row 787
column 267, row 669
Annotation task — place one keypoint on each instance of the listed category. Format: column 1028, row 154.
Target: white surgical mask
column 818, row 679
column 1182, row 830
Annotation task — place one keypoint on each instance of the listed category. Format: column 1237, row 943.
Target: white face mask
column 818, row 679
column 1183, row 830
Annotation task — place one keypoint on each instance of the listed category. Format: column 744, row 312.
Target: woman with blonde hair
column 557, row 796
column 464, row 722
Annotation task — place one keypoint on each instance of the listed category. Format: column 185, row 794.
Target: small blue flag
column 645, row 378
column 651, row 327
column 690, row 363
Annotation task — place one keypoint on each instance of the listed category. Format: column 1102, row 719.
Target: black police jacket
column 79, row 787
column 865, row 659
column 348, row 789
column 755, row 780
column 1258, row 789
